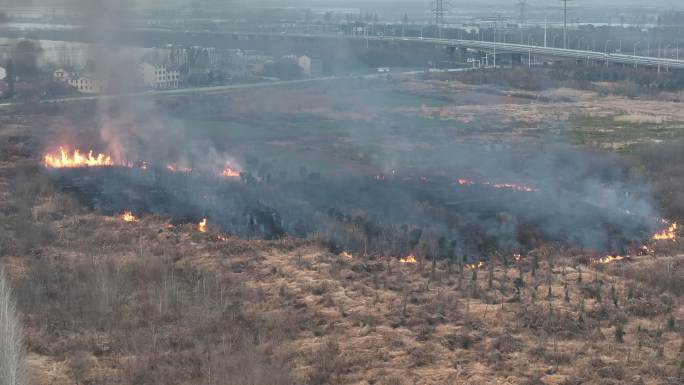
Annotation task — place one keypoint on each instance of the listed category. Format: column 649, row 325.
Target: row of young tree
column 359, row 234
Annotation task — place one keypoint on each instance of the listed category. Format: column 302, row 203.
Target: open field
column 106, row 301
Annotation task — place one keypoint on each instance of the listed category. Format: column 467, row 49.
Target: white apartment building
column 159, row 77
column 304, row 63
column 86, row 84
column 61, row 75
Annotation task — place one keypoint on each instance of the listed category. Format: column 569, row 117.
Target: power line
column 565, row 23
column 439, row 9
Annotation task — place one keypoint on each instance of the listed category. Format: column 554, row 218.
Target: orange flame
column 608, row 259
column 229, row 172
column 202, row 226
column 410, row 260
column 346, row 255
column 668, row 234
column 474, row 266
column 128, row 216
column 76, row 159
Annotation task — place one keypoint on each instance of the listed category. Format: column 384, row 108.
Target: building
column 304, row 63
column 240, row 64
column 86, row 84
column 61, row 75
column 158, row 76
column 495, row 22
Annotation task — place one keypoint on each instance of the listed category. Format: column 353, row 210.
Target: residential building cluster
column 149, row 76
column 193, row 66
column 83, row 83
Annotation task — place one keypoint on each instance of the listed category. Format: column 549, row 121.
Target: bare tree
column 11, row 349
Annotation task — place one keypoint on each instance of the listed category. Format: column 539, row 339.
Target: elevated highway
column 486, row 46
column 504, row 48
column 551, row 52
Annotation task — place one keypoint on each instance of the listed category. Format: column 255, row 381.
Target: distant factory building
column 158, row 76
column 495, row 22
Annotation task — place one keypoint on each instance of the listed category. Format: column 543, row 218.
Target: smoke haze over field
column 576, row 198
column 580, row 199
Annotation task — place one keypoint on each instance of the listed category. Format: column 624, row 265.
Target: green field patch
column 399, row 99
column 603, row 130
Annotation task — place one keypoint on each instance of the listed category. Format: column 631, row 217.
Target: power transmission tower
column 565, row 23
column 523, row 9
column 439, row 9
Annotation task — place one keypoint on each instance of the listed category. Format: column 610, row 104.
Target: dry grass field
column 106, row 301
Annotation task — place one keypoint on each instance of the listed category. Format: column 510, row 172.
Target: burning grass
column 230, row 172
column 202, row 226
column 409, row 260
column 128, row 216
column 668, row 234
column 76, row 159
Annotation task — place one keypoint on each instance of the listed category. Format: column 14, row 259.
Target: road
column 210, row 90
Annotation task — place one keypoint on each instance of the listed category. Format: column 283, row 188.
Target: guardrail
column 510, row 48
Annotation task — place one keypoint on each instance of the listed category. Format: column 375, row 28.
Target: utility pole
column 404, row 24
column 439, row 9
column 546, row 27
column 495, row 30
column 565, row 23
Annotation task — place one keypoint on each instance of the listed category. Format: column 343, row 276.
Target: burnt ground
column 111, row 302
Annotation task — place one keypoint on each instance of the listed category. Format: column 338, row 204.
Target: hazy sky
column 389, row 8
column 399, row 3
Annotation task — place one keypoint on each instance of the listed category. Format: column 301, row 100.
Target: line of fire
column 225, row 201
